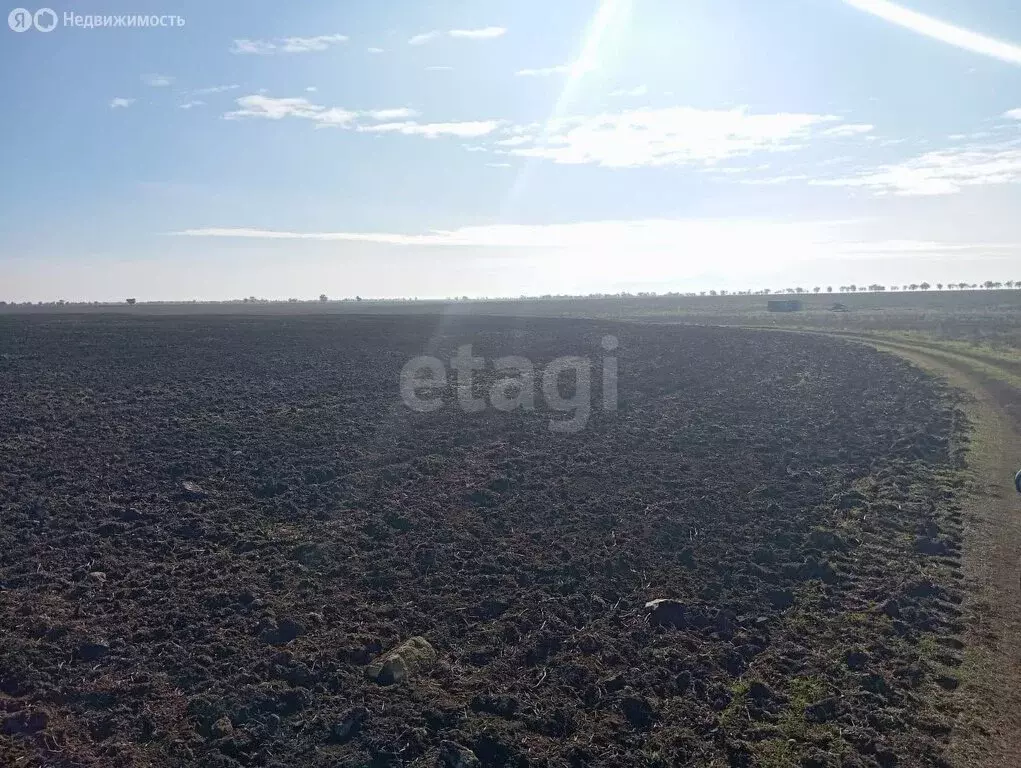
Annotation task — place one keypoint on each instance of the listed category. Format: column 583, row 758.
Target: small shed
column 784, row 305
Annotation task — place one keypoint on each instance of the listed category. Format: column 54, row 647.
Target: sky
column 436, row 148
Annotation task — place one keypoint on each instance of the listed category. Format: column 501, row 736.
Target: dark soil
column 211, row 528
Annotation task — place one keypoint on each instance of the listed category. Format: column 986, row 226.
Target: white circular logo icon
column 45, row 19
column 20, row 20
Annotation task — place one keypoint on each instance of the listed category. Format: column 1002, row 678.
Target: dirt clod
column 413, row 655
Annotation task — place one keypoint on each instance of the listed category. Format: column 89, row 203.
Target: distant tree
column 816, row 289
column 913, row 286
column 1010, row 283
column 765, row 291
column 925, row 286
column 799, row 290
column 323, row 297
column 131, row 301
column 358, row 298
column 988, row 284
column 712, row 293
column 939, row 286
column 852, row 287
column 829, row 289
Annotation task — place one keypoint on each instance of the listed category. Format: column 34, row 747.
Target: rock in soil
column 667, row 612
column 411, row 656
column 455, row 756
column 192, row 491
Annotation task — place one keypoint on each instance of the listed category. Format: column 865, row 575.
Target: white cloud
column 120, row 103
column 940, row 30
column 1014, row 114
column 941, row 172
column 374, row 50
column 260, row 106
column 750, row 242
column 669, row 136
column 157, row 81
column 286, row 44
column 639, row 90
column 514, row 141
column 423, row 38
column 465, row 130
column 191, row 104
column 486, row 33
column 559, row 69
column 498, row 165
column 244, row 46
column 214, row 89
column 311, row 89
column 399, row 113
column 774, row 180
column 271, row 108
column 851, row 129
column 439, row 68
column 601, row 235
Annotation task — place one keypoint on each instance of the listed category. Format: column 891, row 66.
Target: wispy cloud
column 465, row 130
column 439, row 68
column 559, row 69
column 514, row 141
column 191, row 104
column 399, row 113
column 390, row 120
column 286, row 44
column 485, row 33
column 941, row 172
column 375, row 50
column 119, row 102
column 772, row 181
column 214, row 89
column 1013, row 114
column 940, row 30
column 851, row 129
column 270, row 108
column 669, row 136
column 423, row 38
column 245, row 46
column 599, row 235
column 157, row 81
column 731, row 240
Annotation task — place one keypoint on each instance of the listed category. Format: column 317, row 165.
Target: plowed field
column 210, row 528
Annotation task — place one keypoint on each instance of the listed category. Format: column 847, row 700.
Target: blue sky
column 439, row 148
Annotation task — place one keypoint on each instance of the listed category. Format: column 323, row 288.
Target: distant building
column 785, row 305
